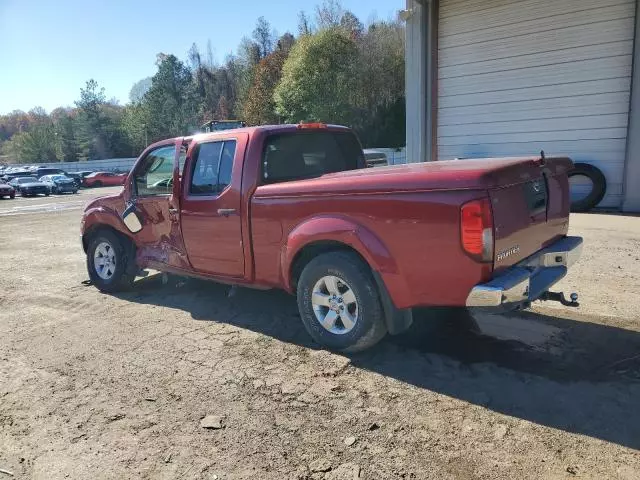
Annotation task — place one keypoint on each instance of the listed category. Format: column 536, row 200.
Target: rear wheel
column 340, row 304
column 108, row 262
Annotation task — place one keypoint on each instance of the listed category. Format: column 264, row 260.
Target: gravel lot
column 95, row 386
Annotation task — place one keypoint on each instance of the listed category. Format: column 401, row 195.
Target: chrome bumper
column 529, row 279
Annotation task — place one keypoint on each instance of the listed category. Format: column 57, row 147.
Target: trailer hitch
column 559, row 297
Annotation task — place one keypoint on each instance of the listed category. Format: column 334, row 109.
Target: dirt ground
column 95, row 386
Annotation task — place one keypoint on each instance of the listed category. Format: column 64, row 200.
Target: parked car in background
column 59, row 184
column 7, row 190
column 104, row 179
column 29, row 186
column 11, row 174
column 75, row 176
column 40, row 172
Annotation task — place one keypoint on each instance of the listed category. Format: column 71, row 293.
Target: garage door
column 517, row 77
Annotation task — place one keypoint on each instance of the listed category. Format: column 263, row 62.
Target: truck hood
column 468, row 174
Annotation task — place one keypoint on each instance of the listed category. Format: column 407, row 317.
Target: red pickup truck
column 294, row 207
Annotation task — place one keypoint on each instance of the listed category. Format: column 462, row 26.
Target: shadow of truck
column 579, row 376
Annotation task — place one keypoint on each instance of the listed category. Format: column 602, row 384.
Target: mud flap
column 397, row 320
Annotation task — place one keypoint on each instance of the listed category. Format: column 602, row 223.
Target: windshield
column 57, row 178
column 26, row 180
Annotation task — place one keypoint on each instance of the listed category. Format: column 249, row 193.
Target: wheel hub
column 335, row 305
column 104, row 260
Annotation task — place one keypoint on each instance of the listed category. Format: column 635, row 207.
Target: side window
column 226, row 164
column 212, row 167
column 154, row 176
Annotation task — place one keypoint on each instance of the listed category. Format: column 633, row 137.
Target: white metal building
column 513, row 77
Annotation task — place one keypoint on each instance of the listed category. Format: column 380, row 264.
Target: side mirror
column 131, row 219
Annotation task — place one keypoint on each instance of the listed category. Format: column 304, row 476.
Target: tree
column 285, row 42
column 259, row 108
column 139, row 89
column 222, row 112
column 380, row 90
column 12, row 123
column 134, row 125
column 263, row 35
column 318, row 79
column 351, row 25
column 65, row 131
column 244, row 67
column 98, row 131
column 170, row 103
column 37, row 145
column 304, row 25
column 328, row 14
column 92, row 127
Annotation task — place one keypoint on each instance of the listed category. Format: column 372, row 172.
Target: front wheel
column 339, row 303
column 107, row 263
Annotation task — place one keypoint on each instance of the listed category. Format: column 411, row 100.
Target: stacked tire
column 598, row 190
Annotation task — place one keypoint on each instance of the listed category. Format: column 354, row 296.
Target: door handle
column 225, row 212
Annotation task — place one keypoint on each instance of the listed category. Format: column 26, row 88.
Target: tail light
column 476, row 229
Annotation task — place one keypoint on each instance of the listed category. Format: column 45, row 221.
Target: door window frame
column 134, row 185
column 193, row 161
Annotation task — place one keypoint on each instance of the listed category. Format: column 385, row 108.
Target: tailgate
column 531, row 212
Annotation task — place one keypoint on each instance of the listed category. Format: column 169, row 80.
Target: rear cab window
column 302, row 155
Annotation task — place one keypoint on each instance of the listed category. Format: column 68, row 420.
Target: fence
column 394, row 157
column 106, row 165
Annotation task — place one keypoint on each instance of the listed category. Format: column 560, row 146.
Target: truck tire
column 339, row 303
column 598, row 191
column 107, row 262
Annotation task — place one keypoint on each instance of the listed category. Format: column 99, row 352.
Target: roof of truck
column 306, row 127
column 287, row 127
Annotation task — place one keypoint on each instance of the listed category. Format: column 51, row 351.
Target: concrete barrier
column 106, row 165
column 394, row 157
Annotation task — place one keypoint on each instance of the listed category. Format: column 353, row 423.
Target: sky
column 50, row 48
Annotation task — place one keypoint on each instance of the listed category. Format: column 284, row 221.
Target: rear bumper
column 529, row 279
